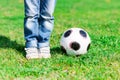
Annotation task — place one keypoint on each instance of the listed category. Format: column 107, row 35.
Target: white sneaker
column 31, row 53
column 44, row 52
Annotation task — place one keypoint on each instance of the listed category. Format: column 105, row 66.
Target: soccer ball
column 75, row 41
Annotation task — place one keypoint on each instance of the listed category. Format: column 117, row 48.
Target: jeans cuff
column 45, row 44
column 31, row 44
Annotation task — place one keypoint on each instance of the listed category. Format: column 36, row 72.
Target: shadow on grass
column 57, row 50
column 5, row 43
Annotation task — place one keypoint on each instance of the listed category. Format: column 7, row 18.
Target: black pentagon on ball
column 67, row 33
column 83, row 33
column 75, row 46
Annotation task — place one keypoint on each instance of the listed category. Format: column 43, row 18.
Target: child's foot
column 44, row 52
column 31, row 53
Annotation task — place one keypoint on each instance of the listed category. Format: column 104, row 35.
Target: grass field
column 100, row 18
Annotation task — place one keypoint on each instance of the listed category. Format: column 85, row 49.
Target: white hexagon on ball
column 75, row 41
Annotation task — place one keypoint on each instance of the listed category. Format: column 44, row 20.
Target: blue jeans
column 38, row 22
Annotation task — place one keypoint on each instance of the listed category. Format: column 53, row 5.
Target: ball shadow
column 57, row 50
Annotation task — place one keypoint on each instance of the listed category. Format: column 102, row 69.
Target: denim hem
column 31, row 44
column 45, row 44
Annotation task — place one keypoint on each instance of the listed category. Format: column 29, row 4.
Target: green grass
column 101, row 19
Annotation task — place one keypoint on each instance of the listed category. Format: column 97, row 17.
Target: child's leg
column 31, row 27
column 31, row 22
column 46, row 22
